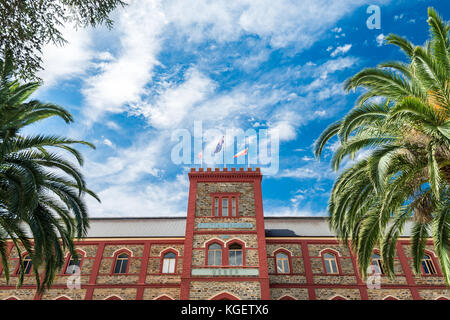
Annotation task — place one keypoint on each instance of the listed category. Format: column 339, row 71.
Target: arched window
column 376, row 264
column 428, row 265
column 214, row 255
column 235, row 255
column 113, row 298
column 121, row 263
column 164, row 297
column 330, row 262
column 27, row 265
column 224, row 296
column 73, row 266
column 338, row 298
column 169, row 262
column 282, row 261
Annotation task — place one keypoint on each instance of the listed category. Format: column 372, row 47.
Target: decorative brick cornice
column 225, row 173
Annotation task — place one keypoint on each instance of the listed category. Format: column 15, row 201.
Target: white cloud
column 341, row 49
column 174, row 102
column 334, row 65
column 129, row 164
column 282, row 22
column 254, row 60
column 68, row 61
column 123, row 79
column 284, row 129
column 161, row 198
column 287, row 211
column 108, row 142
column 113, row 125
column 380, row 39
column 313, row 170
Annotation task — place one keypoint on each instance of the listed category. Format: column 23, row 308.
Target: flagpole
column 223, row 152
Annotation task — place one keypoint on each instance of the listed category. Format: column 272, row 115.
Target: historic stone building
column 225, row 249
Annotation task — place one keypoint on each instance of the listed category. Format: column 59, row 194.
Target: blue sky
column 276, row 65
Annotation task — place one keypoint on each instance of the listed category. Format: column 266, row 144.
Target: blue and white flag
column 219, row 145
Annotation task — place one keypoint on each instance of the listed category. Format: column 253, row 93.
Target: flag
column 241, row 153
column 219, row 145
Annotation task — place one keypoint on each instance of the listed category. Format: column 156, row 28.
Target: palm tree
column 41, row 192
column 402, row 122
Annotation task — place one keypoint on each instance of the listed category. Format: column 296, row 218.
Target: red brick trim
column 308, row 269
column 407, row 271
column 363, row 288
column 189, row 238
column 95, row 270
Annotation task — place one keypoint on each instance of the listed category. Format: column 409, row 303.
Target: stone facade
column 262, row 275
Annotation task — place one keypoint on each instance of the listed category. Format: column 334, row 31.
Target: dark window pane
column 27, row 266
column 425, row 267
column 121, row 263
column 216, row 207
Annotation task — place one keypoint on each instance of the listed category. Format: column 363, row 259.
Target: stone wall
column 201, row 290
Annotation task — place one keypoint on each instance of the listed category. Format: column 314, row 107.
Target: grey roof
column 176, row 226
column 137, row 227
column 297, row 227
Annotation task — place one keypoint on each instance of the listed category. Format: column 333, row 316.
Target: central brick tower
column 225, row 249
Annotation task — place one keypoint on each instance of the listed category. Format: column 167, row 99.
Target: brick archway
column 224, row 296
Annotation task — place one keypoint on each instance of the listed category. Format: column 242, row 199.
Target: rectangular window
column 224, row 207
column 214, row 257
column 121, row 266
column 216, row 207
column 233, row 212
column 283, row 265
column 73, row 266
column 235, row 258
column 330, row 266
column 428, row 267
column 168, row 266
